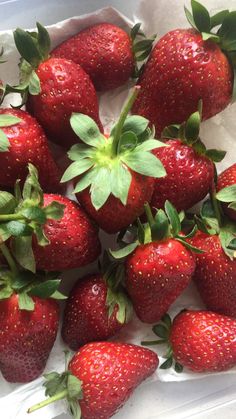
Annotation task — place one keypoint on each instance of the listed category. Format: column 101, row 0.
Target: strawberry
column 29, row 321
column 226, row 187
column 100, row 379
column 202, row 341
column 189, row 166
column 48, row 232
column 26, row 338
column 23, row 141
column 215, row 274
column 55, row 87
column 96, row 309
column 73, row 239
column 159, row 265
column 114, row 175
column 106, row 52
column 187, row 65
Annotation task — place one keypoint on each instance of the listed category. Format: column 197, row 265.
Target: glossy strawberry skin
column 181, row 70
column 28, row 144
column 156, row 274
column 225, row 179
column 109, row 373
column 26, row 338
column 189, row 176
column 215, row 275
column 113, row 215
column 73, row 239
column 86, row 317
column 104, row 51
column 204, row 341
column 65, row 88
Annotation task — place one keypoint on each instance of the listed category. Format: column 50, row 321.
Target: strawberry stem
column 215, row 204
column 9, row 258
column 118, row 131
column 59, row 396
column 9, row 217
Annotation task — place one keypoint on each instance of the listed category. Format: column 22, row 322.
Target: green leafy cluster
column 6, row 121
column 113, row 274
column 228, row 195
column 103, row 164
column 162, row 330
column 212, row 221
column 22, row 215
column 188, row 132
column 62, row 386
column 33, row 48
column 142, row 46
column 28, row 285
column 165, row 224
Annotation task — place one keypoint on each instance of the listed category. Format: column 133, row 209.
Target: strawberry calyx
column 141, row 47
column 22, row 215
column 15, row 280
column 228, row 195
column 113, row 274
column 162, row 330
column 6, row 121
column 164, row 225
column 213, row 221
column 34, row 48
column 105, row 165
column 188, row 132
column 219, row 28
column 62, row 386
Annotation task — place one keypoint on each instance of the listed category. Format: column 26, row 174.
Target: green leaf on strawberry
column 6, row 121
column 105, row 165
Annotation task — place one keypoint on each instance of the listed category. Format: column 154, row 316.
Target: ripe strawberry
column 56, row 87
column 160, row 266
column 97, row 309
column 29, row 321
column 24, row 142
column 61, row 233
column 226, row 187
column 202, row 341
column 104, row 51
column 189, row 166
column 187, row 65
column 104, row 375
column 215, row 274
column 116, row 173
column 26, row 338
column 73, row 239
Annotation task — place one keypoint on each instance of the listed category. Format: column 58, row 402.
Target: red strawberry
column 116, row 173
column 73, row 239
column 160, row 266
column 104, row 375
column 104, row 51
column 215, row 274
column 225, row 180
column 187, row 65
column 189, row 166
column 202, row 341
column 60, row 87
column 26, row 143
column 94, row 311
column 189, row 176
column 26, row 338
column 113, row 215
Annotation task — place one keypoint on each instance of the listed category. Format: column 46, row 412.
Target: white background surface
column 206, row 398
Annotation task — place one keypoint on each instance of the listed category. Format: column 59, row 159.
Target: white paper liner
column 219, row 132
